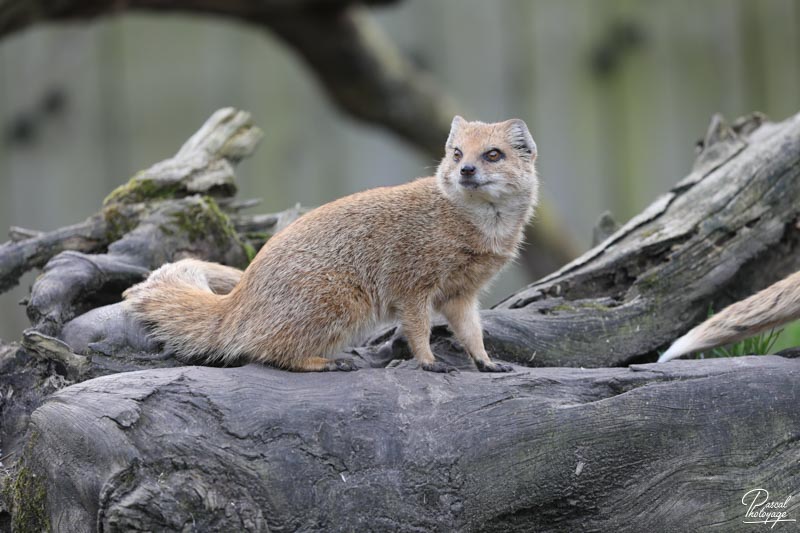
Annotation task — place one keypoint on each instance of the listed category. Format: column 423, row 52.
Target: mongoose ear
column 520, row 138
column 458, row 122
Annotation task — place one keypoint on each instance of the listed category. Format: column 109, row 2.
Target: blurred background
column 616, row 94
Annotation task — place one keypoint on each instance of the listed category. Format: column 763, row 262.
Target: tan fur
column 772, row 307
column 392, row 252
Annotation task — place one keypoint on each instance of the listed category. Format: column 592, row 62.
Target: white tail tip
column 681, row 346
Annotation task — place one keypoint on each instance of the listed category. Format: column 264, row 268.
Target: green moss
column 24, row 491
column 205, row 219
column 250, row 250
column 166, row 230
column 577, row 306
column 649, row 282
column 118, row 223
column 258, row 235
column 202, row 219
column 594, row 305
column 140, row 189
column 253, row 242
column 224, row 221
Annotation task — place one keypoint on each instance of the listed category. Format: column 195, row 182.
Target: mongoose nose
column 468, row 170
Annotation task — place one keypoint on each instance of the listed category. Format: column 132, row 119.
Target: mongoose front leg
column 465, row 321
column 416, row 323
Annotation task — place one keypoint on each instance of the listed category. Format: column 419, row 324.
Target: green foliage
column 790, row 338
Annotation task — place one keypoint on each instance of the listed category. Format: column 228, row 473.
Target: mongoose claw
column 438, row 367
column 493, row 367
column 343, row 365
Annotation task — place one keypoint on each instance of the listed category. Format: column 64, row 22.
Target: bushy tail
column 183, row 303
column 775, row 305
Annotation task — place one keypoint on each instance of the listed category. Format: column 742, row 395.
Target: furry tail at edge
column 772, row 307
column 182, row 302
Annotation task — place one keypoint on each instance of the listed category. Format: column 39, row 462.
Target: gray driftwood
column 179, row 207
column 662, row 448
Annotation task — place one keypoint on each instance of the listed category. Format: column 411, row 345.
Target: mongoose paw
column 438, row 367
column 343, row 365
column 493, row 367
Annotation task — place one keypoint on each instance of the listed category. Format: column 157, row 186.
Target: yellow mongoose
column 391, row 252
column 772, row 307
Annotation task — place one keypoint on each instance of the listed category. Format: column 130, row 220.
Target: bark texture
column 180, row 207
column 654, row 447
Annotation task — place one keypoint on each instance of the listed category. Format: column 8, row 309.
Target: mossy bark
column 24, row 491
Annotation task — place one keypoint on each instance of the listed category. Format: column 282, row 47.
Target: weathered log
column 22, row 254
column 157, row 216
column 668, row 448
column 203, row 165
column 24, row 383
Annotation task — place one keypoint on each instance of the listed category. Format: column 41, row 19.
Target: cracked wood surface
column 662, row 447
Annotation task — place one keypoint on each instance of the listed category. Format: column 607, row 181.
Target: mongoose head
column 489, row 162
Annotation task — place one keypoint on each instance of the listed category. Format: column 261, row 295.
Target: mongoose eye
column 457, row 155
column 493, row 156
